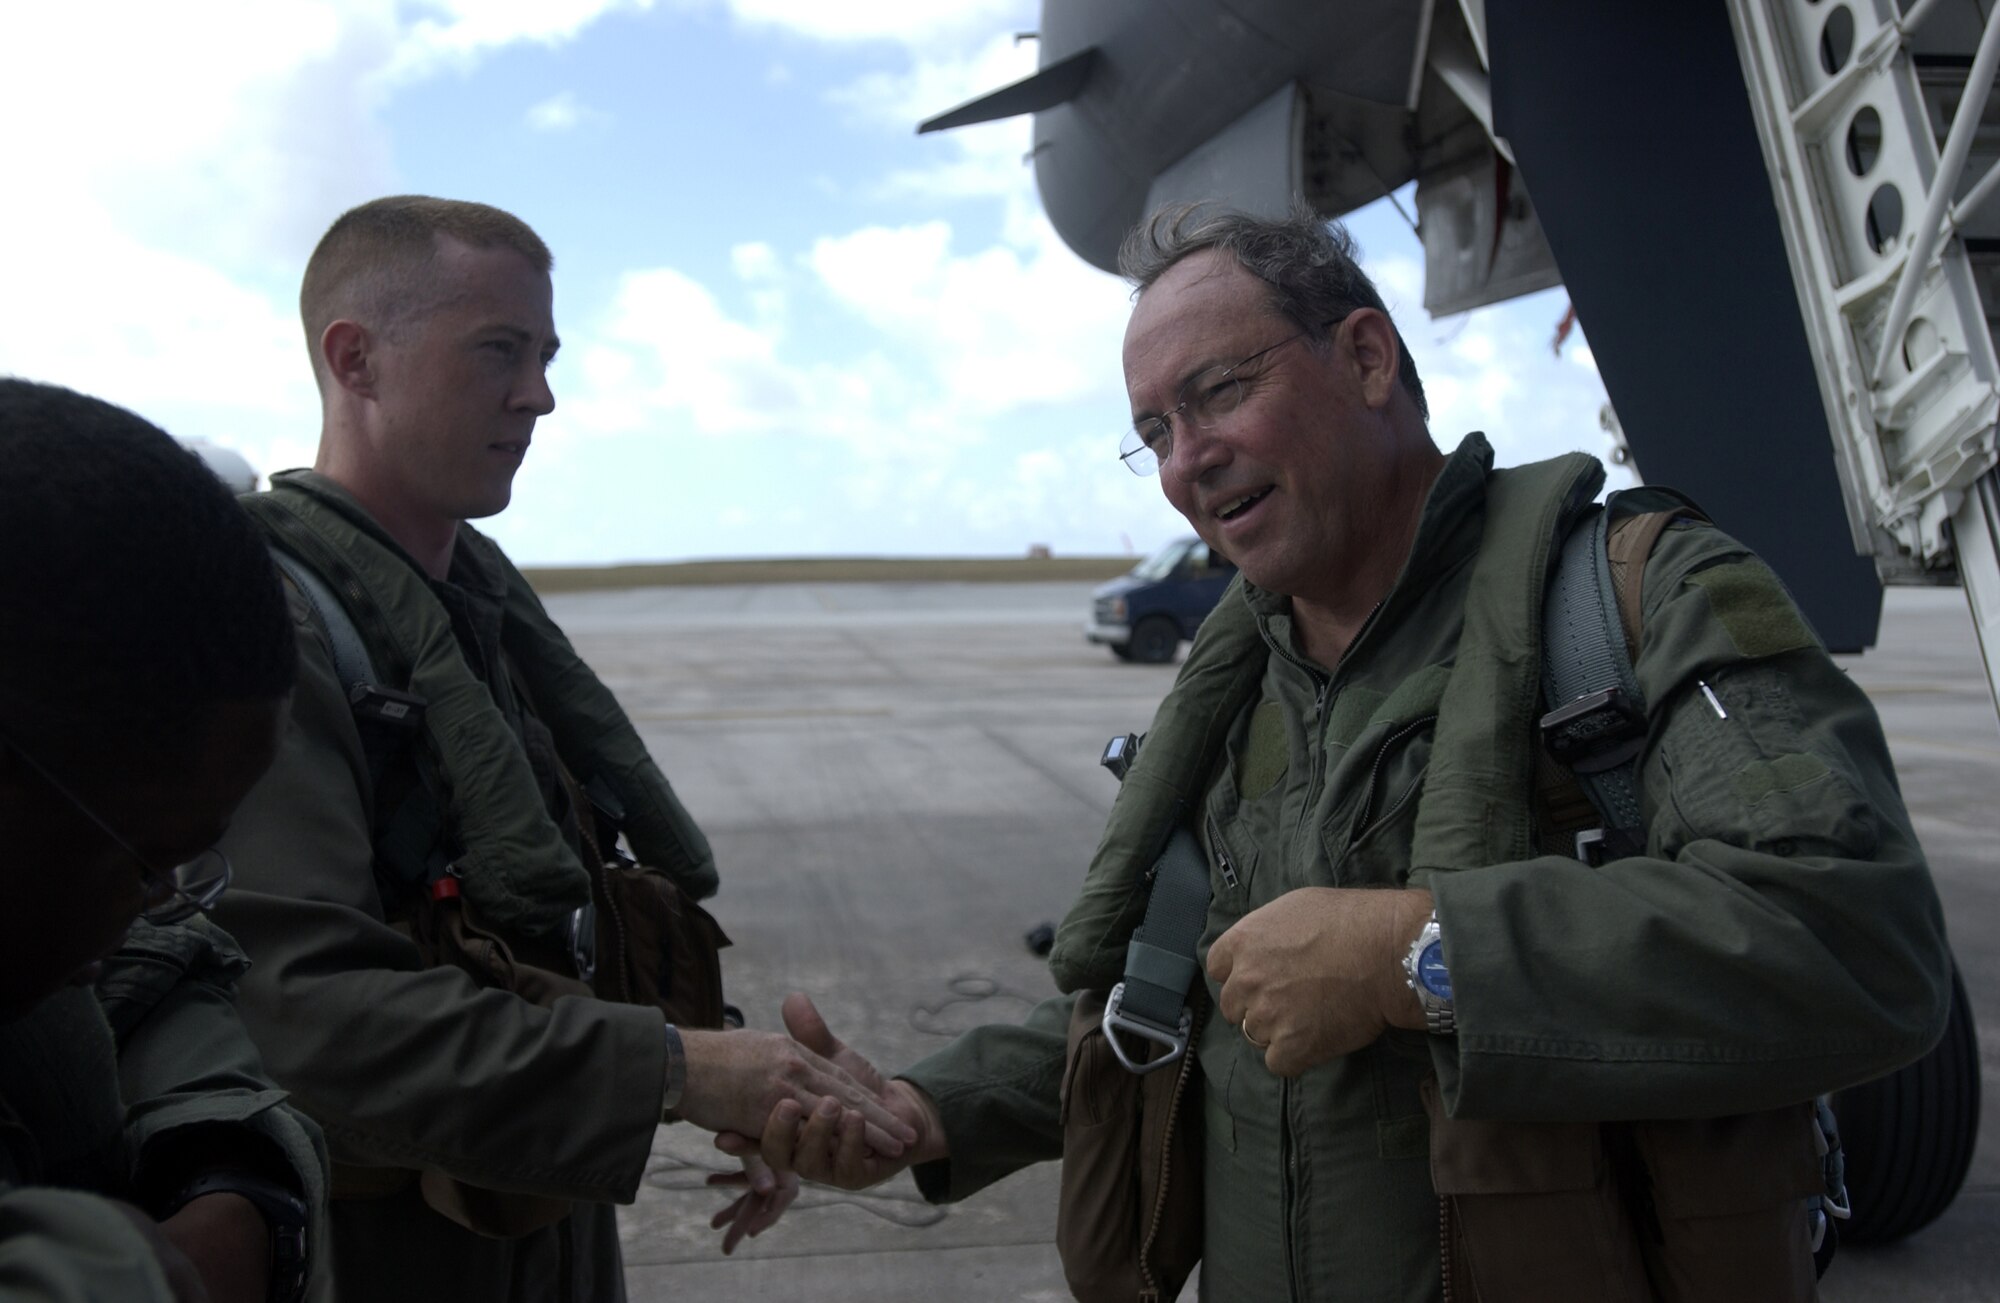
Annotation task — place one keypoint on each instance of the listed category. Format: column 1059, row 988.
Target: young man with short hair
column 480, row 1137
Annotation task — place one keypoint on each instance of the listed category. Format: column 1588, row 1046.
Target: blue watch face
column 1432, row 973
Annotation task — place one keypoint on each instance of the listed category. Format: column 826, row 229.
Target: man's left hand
column 1318, row 972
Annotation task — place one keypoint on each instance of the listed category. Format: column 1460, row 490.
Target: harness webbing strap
column 1159, row 962
column 407, row 821
column 1597, row 720
column 1152, row 1002
column 350, row 656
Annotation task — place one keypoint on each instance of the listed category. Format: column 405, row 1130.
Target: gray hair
column 1307, row 262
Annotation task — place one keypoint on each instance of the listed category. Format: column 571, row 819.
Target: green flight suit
column 411, row 1068
column 1779, row 938
column 127, row 1093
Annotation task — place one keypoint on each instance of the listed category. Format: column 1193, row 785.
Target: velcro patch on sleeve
column 1785, row 773
column 1753, row 608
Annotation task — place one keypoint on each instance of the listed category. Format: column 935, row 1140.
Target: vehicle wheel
column 1122, row 650
column 1909, row 1137
column 1154, row 640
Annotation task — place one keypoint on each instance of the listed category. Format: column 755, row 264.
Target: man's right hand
column 738, row 1080
column 826, row 1143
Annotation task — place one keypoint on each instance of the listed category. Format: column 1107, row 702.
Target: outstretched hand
column 737, row 1079
column 826, row 1142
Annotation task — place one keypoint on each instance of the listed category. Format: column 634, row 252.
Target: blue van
column 1144, row 615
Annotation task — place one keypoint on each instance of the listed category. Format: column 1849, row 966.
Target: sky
column 791, row 326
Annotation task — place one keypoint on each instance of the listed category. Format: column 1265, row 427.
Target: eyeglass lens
column 1208, row 397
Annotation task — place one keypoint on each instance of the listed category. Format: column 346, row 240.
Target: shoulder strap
column 408, row 816
column 1592, row 622
column 350, row 655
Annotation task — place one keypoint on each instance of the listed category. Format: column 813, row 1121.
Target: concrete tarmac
column 900, row 780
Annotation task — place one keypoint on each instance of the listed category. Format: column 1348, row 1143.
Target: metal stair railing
column 1890, row 296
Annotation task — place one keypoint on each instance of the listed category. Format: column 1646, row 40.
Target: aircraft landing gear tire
column 1909, row 1137
column 1154, row 640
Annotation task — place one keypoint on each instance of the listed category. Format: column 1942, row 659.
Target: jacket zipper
column 1225, row 865
column 1319, row 717
column 1318, row 755
column 1368, row 820
column 1149, row 1285
column 1445, row 1229
column 617, row 925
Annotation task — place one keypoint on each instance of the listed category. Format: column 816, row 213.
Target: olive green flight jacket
column 1779, row 938
column 409, row 1068
column 128, row 1093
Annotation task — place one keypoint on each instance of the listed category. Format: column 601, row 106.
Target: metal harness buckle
column 1115, row 1021
column 1594, row 732
column 1833, row 1202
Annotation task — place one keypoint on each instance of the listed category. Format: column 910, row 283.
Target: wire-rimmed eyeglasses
column 1205, row 398
column 172, row 896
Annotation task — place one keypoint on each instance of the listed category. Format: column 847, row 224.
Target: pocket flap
column 1718, row 1167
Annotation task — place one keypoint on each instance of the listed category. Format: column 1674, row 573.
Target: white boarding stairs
column 1868, row 117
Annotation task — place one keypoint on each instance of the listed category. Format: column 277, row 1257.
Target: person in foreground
column 145, row 659
column 1605, row 1090
column 414, row 871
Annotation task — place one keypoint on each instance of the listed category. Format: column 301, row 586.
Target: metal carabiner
column 1115, row 1021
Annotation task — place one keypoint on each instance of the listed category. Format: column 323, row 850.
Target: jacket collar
column 470, row 569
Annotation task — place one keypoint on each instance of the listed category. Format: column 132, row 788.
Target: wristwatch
column 1430, row 979
column 677, row 1071
column 284, row 1213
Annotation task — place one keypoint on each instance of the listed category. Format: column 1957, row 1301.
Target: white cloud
column 910, row 22
column 934, row 81
column 460, row 31
column 175, row 172
column 562, row 111
column 1005, row 325
column 669, row 352
column 754, row 261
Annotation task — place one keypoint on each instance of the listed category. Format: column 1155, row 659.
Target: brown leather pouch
column 1626, row 1212
column 1129, row 1225
column 655, row 945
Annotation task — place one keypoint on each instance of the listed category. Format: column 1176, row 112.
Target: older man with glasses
column 1438, row 1053
column 145, row 662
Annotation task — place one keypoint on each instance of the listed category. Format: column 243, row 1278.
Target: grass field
column 830, row 570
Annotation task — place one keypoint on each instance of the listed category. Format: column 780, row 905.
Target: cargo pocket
column 1729, row 1196
column 1531, row 1212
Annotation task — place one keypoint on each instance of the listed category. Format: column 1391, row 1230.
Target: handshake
column 803, row 1105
